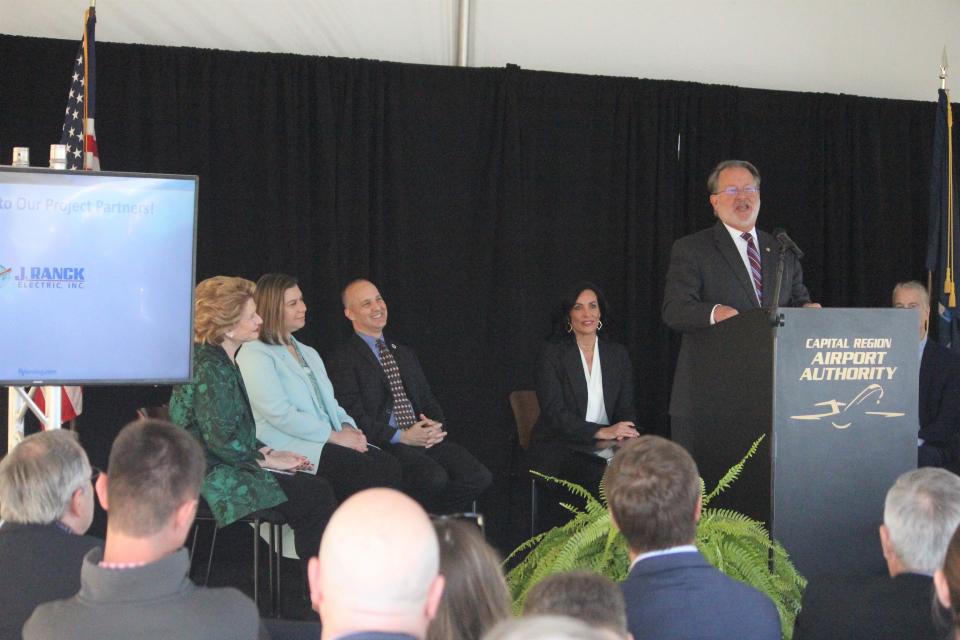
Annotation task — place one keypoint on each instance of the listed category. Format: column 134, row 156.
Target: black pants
column 560, row 461
column 309, row 506
column 445, row 478
column 349, row 471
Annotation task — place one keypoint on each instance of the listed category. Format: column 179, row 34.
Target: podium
column 835, row 391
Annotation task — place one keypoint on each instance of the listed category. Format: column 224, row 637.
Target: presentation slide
column 96, row 277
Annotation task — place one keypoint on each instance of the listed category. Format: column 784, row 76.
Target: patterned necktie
column 402, row 408
column 754, row 257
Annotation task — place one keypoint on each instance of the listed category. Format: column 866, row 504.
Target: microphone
column 786, row 242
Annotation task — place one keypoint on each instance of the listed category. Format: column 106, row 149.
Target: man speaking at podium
column 718, row 272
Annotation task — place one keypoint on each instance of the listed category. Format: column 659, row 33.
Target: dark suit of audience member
column 939, row 406
column 708, row 279
column 562, row 394
column 875, row 607
column 683, row 596
column 443, row 476
column 653, row 491
column 921, row 511
column 41, row 539
column 38, row 563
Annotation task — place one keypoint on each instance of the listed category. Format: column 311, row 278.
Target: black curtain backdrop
column 473, row 197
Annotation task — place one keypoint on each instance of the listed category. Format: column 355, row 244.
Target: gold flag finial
column 943, row 68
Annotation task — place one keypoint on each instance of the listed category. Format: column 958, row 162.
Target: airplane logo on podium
column 838, row 408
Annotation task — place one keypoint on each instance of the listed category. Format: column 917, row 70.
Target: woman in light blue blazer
column 292, row 397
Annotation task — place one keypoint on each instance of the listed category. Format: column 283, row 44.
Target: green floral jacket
column 215, row 409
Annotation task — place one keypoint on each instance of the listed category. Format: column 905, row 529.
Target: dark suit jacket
column 875, row 607
column 939, row 410
column 562, row 391
column 683, row 596
column 705, row 270
column 362, row 389
column 38, row 563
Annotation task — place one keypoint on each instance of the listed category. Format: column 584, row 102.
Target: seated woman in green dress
column 243, row 475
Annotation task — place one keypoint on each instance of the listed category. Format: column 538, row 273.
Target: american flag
column 78, row 133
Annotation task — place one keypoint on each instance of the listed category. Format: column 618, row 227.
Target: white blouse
column 596, row 411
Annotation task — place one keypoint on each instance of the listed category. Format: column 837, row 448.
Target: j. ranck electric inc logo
column 44, row 277
column 6, row 275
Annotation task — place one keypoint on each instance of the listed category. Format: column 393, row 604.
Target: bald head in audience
column 375, row 578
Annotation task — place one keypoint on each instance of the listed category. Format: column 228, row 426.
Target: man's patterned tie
column 754, row 257
column 402, row 408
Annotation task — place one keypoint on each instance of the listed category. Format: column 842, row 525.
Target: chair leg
column 278, row 532
column 256, row 563
column 213, row 543
column 193, row 543
column 274, row 569
column 533, row 507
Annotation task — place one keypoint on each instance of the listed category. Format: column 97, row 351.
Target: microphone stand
column 776, row 318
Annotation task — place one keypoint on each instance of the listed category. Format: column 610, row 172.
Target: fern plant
column 734, row 543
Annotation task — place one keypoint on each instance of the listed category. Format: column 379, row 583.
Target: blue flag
column 942, row 230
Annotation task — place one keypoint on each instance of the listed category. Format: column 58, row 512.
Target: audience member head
column 913, row 295
column 222, row 302
column 946, row 580
column 280, row 304
column 378, row 568
column 475, row 594
column 584, row 595
column 151, row 486
column 548, row 628
column 581, row 312
column 46, row 479
column 734, row 187
column 653, row 492
column 364, row 307
column 922, row 511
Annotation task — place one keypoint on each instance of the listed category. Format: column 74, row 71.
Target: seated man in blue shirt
column 383, row 388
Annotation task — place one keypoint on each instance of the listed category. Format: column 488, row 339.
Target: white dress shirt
column 596, row 410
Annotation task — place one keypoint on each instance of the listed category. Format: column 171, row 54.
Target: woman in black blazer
column 585, row 390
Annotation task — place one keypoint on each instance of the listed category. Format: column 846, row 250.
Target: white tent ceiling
column 883, row 48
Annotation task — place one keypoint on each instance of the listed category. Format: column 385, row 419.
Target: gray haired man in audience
column 377, row 575
column 922, row 511
column 137, row 586
column 46, row 505
column 584, row 595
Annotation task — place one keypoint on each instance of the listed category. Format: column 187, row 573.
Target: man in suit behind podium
column 716, row 273
column 938, row 443
column 383, row 388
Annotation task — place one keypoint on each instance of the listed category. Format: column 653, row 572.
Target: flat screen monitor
column 96, row 277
